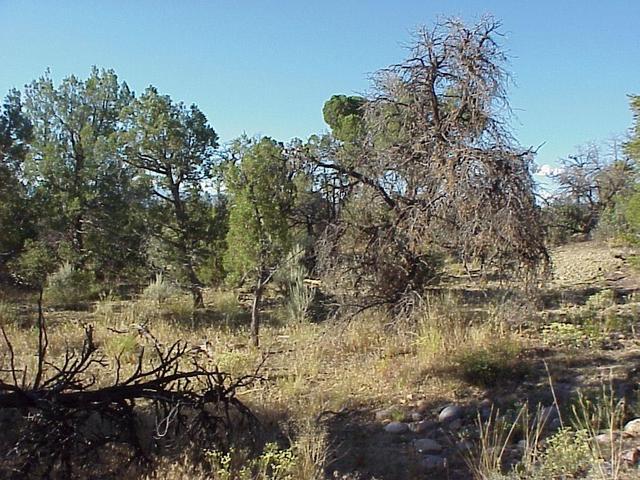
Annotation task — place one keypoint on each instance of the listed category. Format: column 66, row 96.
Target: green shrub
column 68, row 286
column 631, row 214
column 622, row 220
column 486, row 366
column 589, row 325
column 273, row 463
column 34, row 264
column 123, row 346
column 226, row 303
column 160, row 290
column 600, row 301
column 7, row 314
column 567, row 454
column 179, row 308
column 558, row 334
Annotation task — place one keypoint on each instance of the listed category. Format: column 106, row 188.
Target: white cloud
column 547, row 170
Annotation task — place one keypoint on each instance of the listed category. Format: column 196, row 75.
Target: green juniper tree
column 344, row 114
column 633, row 146
column 262, row 193
column 16, row 220
column 629, row 205
column 88, row 197
column 174, row 146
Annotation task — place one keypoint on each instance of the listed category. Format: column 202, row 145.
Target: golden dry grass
column 310, row 368
column 359, row 365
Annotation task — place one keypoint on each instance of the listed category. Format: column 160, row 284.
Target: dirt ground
column 580, row 271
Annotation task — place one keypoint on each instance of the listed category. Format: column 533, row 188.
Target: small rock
column 423, row 426
column 633, row 428
column 485, row 407
column 606, row 438
column 563, row 389
column 464, row 446
column 548, row 415
column 631, row 456
column 550, row 412
column 422, row 406
column 455, row 425
column 434, row 462
column 382, row 415
column 396, row 427
column 450, row 413
column 427, row 445
column 416, row 416
column 388, row 414
column 581, row 379
column 554, row 424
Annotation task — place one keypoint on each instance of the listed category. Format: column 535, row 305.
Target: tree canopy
column 174, row 146
column 16, row 216
column 633, row 146
column 262, row 195
column 437, row 170
column 74, row 166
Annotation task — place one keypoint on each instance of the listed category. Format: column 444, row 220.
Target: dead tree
column 588, row 184
column 438, row 172
column 62, row 423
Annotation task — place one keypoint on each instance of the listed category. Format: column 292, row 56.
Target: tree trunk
column 182, row 220
column 255, row 312
column 78, row 242
column 195, row 287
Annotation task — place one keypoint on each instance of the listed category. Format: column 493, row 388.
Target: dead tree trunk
column 255, row 309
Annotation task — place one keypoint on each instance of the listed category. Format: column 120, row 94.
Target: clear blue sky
column 266, row 67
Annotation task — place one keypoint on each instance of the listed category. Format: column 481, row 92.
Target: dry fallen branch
column 62, row 421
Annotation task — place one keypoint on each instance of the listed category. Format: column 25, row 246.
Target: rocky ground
column 395, row 402
column 424, row 438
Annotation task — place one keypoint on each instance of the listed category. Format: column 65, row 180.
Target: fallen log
column 55, row 407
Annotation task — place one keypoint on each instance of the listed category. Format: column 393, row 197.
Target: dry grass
column 311, row 368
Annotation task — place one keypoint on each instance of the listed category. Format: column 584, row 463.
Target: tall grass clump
column 69, row 286
column 299, row 295
column 602, row 417
column 170, row 301
column 495, row 435
column 106, row 306
column 7, row 314
column 312, row 451
column 304, row 459
column 160, row 290
column 481, row 349
column 226, row 304
column 590, row 446
column 487, row 365
column 564, row 454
